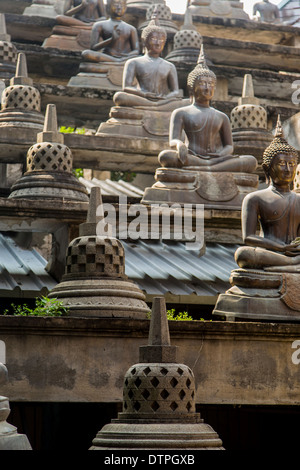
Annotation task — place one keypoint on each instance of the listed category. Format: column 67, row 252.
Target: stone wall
column 84, row 360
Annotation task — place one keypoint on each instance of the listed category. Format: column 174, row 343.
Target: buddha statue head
column 117, row 8
column 154, row 30
column 200, row 72
column 277, row 147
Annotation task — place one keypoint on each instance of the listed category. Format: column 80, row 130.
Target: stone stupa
column 20, row 115
column 94, row 283
column 187, row 43
column 163, row 12
column 8, row 51
column 10, row 439
column 158, row 400
column 249, row 123
column 49, row 167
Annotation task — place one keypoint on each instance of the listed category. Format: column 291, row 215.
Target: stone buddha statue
column 112, row 40
column 80, row 12
column 266, row 11
column 277, row 209
column 73, row 28
column 112, row 43
column 201, row 145
column 267, row 284
column 149, row 80
column 149, row 92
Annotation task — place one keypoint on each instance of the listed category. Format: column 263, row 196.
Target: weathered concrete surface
column 228, row 28
column 75, row 359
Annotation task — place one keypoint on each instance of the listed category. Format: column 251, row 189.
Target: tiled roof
column 22, row 271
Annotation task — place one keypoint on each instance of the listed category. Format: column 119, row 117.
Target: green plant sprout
column 44, row 307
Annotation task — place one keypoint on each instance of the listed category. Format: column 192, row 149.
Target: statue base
column 106, row 76
column 14, row 441
column 48, row 11
column 56, row 185
column 191, row 186
column 105, row 298
column 70, row 38
column 224, row 9
column 139, row 435
column 142, row 122
column 260, row 296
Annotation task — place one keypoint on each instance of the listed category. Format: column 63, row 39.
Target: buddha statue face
column 204, row 88
column 155, row 42
column 117, row 8
column 283, row 168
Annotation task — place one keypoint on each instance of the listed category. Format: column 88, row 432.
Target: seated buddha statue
column 277, row 209
column 149, row 91
column 266, row 11
column 207, row 142
column 266, row 285
column 112, row 40
column 81, row 12
column 200, row 151
column 149, row 80
column 73, row 29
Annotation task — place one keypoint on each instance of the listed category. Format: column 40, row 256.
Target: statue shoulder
column 183, row 111
column 254, row 198
column 220, row 114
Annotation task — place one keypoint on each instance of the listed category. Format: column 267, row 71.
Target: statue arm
column 73, row 11
column 134, row 42
column 226, row 137
column 96, row 42
column 173, row 83
column 255, row 9
column 176, row 130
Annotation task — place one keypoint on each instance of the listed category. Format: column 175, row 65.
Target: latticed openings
column 248, row 116
column 297, row 179
column 163, row 12
column 187, row 38
column 8, row 52
column 157, row 388
column 95, row 256
column 21, row 96
column 49, row 156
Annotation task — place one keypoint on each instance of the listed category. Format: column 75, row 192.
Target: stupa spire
column 50, row 131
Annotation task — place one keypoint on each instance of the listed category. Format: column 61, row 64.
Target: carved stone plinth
column 106, row 76
column 260, row 295
column 213, row 189
column 221, row 8
column 49, row 10
column 150, row 123
column 70, row 38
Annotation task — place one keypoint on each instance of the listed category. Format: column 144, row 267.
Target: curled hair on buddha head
column 201, row 70
column 153, row 27
column 277, row 146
